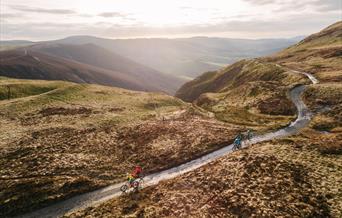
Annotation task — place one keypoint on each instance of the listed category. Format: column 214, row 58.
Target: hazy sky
column 46, row 19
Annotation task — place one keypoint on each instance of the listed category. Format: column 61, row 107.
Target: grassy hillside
column 320, row 54
column 289, row 177
column 251, row 93
column 297, row 176
column 254, row 92
column 58, row 139
column 12, row 44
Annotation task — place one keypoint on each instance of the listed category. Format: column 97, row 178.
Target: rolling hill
column 83, row 64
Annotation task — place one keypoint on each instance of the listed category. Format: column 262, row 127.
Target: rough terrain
column 296, row 176
column 60, row 139
column 94, row 130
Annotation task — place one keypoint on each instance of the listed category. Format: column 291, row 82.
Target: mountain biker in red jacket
column 137, row 171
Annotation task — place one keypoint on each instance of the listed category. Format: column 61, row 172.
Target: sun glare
column 163, row 13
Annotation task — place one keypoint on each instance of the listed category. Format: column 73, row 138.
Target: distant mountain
column 97, row 56
column 16, row 43
column 186, row 57
column 141, row 64
column 82, row 64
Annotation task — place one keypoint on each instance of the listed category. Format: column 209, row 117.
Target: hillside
column 250, row 93
column 260, row 85
column 83, row 64
column 59, row 139
column 320, row 54
column 296, row 176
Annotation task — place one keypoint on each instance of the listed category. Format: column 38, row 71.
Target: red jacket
column 137, row 171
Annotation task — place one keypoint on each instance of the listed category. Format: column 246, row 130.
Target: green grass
column 22, row 90
column 110, row 105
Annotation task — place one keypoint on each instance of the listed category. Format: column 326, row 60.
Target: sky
column 46, row 20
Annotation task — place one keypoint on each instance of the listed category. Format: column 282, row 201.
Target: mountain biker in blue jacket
column 237, row 141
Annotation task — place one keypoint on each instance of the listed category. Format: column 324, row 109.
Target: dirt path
column 104, row 194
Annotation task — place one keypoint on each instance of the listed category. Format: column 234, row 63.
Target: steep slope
column 320, row 54
column 83, row 64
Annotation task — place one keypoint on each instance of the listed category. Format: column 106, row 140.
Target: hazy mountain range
column 138, row 64
column 186, row 57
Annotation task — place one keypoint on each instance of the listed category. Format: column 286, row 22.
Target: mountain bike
column 135, row 185
column 236, row 146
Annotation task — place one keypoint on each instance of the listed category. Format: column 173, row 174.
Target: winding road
column 104, row 194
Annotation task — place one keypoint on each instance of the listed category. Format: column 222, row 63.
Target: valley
column 66, row 145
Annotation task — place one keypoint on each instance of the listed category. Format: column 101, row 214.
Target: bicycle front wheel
column 124, row 188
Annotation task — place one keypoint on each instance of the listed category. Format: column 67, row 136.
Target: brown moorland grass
column 76, row 138
column 288, row 177
column 297, row 176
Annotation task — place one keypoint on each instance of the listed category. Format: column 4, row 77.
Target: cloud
column 326, row 5
column 112, row 14
column 260, row 2
column 42, row 10
column 10, row 15
column 300, row 24
column 267, row 18
column 294, row 26
column 329, row 5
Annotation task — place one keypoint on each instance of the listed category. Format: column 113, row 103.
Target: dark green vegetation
column 20, row 90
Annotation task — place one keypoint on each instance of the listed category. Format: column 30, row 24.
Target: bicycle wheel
column 124, row 188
